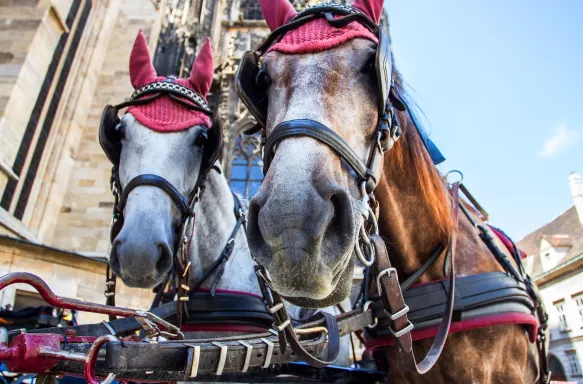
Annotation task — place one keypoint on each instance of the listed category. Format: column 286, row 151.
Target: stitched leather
column 317, row 131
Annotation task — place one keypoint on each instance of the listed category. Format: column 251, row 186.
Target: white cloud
column 563, row 138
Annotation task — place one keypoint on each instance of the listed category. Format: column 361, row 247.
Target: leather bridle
column 367, row 174
column 110, row 138
column 369, row 248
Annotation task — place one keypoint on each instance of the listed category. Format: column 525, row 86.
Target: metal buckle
column 401, row 313
column 269, row 352
column 388, row 272
column 248, row 354
column 222, row 357
column 376, row 321
column 403, row 331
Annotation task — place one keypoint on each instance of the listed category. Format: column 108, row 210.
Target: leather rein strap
column 394, row 301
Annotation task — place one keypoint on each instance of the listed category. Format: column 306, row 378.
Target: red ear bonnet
column 201, row 75
column 141, row 69
column 277, row 12
column 371, row 8
column 317, row 35
column 165, row 114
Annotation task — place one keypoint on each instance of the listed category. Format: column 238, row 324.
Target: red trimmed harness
column 420, row 332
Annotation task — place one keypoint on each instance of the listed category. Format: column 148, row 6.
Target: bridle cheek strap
column 323, row 134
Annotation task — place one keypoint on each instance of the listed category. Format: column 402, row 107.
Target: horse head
column 306, row 218
column 161, row 150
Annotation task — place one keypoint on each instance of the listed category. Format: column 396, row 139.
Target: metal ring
column 364, row 199
column 373, row 219
column 366, row 262
column 364, row 309
column 454, row 171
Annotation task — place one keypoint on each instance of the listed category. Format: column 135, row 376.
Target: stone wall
column 67, row 274
column 85, row 215
column 23, row 29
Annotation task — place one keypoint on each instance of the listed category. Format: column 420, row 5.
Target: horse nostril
column 114, row 257
column 341, row 211
column 164, row 260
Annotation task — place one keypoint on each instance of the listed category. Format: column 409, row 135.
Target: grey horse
column 142, row 251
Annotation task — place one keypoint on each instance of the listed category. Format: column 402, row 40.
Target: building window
column 579, row 300
column 547, row 255
column 251, row 10
column 247, row 166
column 560, row 308
column 574, row 365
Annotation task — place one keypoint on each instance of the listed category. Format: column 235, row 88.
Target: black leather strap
column 418, row 273
column 223, row 308
column 158, row 182
column 316, row 131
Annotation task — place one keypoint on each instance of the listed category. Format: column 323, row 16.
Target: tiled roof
column 563, row 231
column 561, row 241
column 565, row 224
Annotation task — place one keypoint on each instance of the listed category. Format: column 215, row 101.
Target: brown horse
column 305, row 220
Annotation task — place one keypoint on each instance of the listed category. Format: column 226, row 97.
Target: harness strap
column 220, row 263
column 418, row 273
column 158, row 182
column 319, row 132
column 394, row 302
column 287, row 334
column 110, row 283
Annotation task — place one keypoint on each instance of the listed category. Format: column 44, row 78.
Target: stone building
column 61, row 62
column 555, row 261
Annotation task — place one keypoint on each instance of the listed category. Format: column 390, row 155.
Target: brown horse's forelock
column 410, row 158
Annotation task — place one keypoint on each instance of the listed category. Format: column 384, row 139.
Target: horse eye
column 201, row 139
column 263, row 80
column 369, row 66
column 120, row 130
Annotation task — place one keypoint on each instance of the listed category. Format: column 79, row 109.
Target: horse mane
column 410, row 158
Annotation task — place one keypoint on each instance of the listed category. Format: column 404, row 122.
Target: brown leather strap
column 394, row 302
column 110, row 282
column 287, row 334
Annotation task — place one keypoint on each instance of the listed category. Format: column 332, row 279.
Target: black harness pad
column 109, row 135
column 384, row 68
column 254, row 98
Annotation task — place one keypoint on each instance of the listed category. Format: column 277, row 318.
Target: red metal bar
column 49, row 296
column 27, row 352
column 92, row 358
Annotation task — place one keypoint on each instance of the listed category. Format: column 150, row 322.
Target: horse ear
column 372, row 8
column 277, row 12
column 201, row 75
column 141, row 69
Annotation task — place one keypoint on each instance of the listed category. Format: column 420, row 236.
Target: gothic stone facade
column 61, row 62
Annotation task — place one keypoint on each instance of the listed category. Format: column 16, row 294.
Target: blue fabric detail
column 435, row 154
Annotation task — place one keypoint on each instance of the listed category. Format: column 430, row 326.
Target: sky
column 501, row 86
